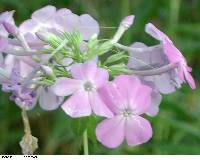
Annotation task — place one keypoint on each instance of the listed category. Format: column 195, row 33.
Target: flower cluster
column 56, row 59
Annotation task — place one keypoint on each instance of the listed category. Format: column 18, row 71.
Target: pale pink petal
column 88, row 26
column 110, row 99
column 3, row 44
column 63, row 12
column 190, row 80
column 180, row 72
column 29, row 26
column 66, row 86
column 155, row 102
column 84, row 71
column 156, row 33
column 98, row 106
column 173, row 54
column 78, row 105
column 9, row 62
column 138, row 130
column 140, row 100
column 189, row 69
column 25, row 69
column 67, row 22
column 125, row 84
column 48, row 100
column 110, row 132
column 164, row 83
column 101, row 77
column 6, row 17
column 44, row 14
column 138, row 96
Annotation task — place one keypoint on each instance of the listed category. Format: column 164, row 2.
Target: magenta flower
column 87, row 79
column 173, row 54
column 128, row 99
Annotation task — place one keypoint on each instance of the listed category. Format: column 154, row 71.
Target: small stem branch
column 28, row 143
column 14, row 50
column 85, row 143
column 156, row 71
column 27, row 129
column 131, row 49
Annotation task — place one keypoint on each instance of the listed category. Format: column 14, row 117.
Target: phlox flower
column 83, row 87
column 153, row 57
column 173, row 54
column 49, row 18
column 25, row 95
column 128, row 99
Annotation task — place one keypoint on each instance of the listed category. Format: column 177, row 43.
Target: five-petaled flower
column 128, row 98
column 87, row 79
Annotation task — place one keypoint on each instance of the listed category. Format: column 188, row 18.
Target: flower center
column 127, row 112
column 88, row 86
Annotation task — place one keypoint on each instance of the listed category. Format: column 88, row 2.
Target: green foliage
column 79, row 125
column 118, row 69
column 120, row 56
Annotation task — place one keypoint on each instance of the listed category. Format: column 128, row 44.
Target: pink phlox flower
column 83, row 87
column 173, row 54
column 128, row 99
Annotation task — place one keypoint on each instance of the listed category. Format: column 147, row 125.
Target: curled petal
column 156, row 33
column 190, row 80
column 48, row 100
column 155, row 102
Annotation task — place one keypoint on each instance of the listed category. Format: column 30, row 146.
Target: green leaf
column 118, row 69
column 115, row 57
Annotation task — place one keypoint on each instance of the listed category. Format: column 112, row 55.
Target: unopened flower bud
column 128, row 21
column 47, row 70
column 43, row 35
column 124, row 25
column 10, row 28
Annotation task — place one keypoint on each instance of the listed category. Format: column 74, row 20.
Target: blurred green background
column 176, row 128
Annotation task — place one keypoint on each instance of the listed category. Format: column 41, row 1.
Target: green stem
column 85, row 143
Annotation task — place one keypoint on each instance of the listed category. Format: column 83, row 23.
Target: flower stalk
column 85, row 143
column 156, row 71
column 28, row 143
